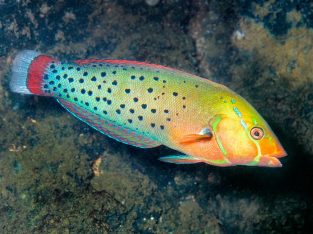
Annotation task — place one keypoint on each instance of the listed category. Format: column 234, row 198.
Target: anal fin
column 109, row 128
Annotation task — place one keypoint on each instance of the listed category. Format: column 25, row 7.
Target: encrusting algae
column 51, row 186
column 290, row 55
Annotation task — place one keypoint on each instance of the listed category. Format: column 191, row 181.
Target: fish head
column 244, row 137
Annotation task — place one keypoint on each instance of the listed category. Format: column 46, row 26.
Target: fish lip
column 280, row 153
column 277, row 163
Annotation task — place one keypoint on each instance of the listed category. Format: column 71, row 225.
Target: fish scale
column 149, row 97
column 146, row 105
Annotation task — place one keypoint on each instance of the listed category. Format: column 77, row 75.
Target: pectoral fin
column 180, row 159
column 193, row 138
column 204, row 135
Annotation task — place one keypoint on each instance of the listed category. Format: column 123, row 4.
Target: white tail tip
column 21, row 63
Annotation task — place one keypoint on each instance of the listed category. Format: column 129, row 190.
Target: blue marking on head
column 243, row 123
column 237, row 112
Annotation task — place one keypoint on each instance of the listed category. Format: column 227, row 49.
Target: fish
column 147, row 105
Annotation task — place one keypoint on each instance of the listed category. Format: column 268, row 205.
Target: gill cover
column 233, row 139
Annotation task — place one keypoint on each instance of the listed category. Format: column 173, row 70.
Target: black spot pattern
column 131, row 107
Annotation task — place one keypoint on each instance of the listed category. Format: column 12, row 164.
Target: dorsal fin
column 109, row 128
column 133, row 63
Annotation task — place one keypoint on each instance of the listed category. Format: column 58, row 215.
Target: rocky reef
column 58, row 175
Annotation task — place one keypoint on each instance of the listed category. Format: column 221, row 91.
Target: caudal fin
column 28, row 72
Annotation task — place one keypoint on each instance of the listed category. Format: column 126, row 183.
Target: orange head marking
column 245, row 137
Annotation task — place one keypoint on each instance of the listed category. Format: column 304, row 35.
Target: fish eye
column 257, row 133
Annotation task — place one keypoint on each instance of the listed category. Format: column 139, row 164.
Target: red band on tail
column 36, row 72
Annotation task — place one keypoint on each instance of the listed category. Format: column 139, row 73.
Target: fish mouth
column 274, row 162
column 272, row 159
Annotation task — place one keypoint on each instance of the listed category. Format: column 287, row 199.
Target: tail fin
column 28, row 72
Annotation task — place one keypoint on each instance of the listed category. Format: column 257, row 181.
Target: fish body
column 148, row 105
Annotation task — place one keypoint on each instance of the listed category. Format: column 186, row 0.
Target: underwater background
column 58, row 175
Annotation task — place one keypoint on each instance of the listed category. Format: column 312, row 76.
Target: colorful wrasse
column 147, row 105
